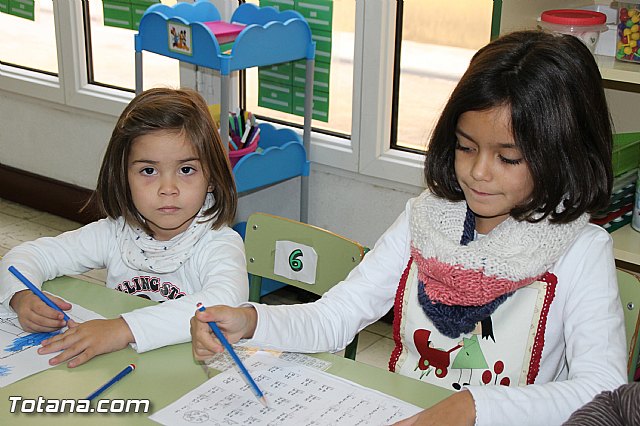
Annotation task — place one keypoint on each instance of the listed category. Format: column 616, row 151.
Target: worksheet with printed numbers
column 222, row 361
column 296, row 395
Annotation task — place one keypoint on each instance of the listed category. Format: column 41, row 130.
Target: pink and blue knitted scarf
column 462, row 280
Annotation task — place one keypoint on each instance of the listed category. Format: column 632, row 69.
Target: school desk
column 162, row 375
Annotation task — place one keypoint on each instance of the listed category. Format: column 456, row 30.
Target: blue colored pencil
column 37, row 291
column 128, row 369
column 236, row 359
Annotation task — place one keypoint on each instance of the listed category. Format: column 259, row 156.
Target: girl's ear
column 210, row 188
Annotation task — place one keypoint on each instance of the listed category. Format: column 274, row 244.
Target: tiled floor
column 19, row 223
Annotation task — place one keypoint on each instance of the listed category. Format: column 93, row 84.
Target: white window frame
column 71, row 87
column 377, row 159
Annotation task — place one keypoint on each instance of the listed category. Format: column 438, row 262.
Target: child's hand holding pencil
column 227, row 346
column 36, row 311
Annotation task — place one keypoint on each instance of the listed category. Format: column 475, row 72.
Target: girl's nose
column 481, row 168
column 168, row 186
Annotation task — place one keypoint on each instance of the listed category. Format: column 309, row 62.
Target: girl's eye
column 510, row 161
column 461, row 147
column 187, row 170
column 149, row 171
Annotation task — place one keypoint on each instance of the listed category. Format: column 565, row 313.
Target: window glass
column 112, row 53
column 438, row 40
column 25, row 30
column 340, row 75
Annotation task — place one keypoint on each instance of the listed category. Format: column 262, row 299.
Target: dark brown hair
column 183, row 111
column 559, row 118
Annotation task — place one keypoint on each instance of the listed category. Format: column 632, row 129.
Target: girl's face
column 167, row 182
column 489, row 167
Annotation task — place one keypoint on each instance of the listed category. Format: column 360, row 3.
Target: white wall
column 52, row 140
column 352, row 205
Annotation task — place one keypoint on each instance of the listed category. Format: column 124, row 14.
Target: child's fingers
column 204, row 344
column 72, row 352
column 40, row 320
column 61, row 303
column 209, row 314
column 32, row 327
column 200, row 353
column 83, row 357
column 72, row 348
column 220, row 314
column 58, row 342
column 45, row 311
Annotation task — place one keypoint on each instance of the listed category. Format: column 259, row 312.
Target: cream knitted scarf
column 462, row 283
column 142, row 252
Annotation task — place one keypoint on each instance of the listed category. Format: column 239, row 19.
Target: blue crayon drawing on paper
column 19, row 355
column 33, row 339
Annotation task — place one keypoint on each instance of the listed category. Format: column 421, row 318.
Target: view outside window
column 25, row 31
column 438, row 40
column 340, row 78
column 112, row 53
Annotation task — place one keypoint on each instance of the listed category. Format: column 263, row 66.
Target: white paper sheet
column 297, row 395
column 18, row 349
column 223, row 361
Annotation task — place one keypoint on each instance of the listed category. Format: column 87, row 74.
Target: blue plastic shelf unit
column 269, row 37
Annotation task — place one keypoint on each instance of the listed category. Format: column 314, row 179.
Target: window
column 111, row 54
column 383, row 100
column 340, row 78
column 434, row 45
column 15, row 23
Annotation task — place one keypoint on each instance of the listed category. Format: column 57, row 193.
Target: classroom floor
column 19, row 223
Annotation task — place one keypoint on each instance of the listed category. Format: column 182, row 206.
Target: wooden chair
column 336, row 256
column 629, row 286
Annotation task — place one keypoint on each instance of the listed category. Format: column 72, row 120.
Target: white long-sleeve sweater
column 214, row 274
column 584, row 348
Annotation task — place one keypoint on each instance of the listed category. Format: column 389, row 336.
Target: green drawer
column 323, row 45
column 275, row 96
column 146, row 3
column 320, row 104
column 318, row 13
column 626, row 152
column 321, row 73
column 117, row 14
column 4, row 6
column 22, row 8
column 278, row 4
column 279, row 73
column 138, row 7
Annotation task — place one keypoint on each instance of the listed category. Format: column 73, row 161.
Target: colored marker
column 245, row 135
column 236, row 359
column 128, row 369
column 37, row 291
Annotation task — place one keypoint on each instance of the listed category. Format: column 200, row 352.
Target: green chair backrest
column 336, row 256
column 629, row 286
